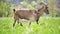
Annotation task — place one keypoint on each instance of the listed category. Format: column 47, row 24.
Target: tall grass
column 47, row 25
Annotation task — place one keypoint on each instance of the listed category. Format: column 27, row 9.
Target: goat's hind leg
column 29, row 23
column 20, row 22
column 14, row 23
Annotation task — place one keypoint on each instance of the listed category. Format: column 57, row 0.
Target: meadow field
column 47, row 25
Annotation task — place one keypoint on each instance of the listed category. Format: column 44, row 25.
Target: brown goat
column 29, row 14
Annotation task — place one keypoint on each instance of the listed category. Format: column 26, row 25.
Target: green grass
column 46, row 26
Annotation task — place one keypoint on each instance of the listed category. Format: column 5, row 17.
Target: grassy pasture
column 47, row 25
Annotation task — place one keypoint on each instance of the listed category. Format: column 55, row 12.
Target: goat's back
column 24, row 13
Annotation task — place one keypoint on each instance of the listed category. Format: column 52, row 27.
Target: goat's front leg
column 37, row 21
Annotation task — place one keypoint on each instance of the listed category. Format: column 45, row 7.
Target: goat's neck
column 41, row 11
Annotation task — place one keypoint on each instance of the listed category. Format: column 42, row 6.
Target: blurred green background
column 6, row 6
column 48, row 24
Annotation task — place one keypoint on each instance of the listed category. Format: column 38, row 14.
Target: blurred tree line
column 53, row 8
column 7, row 7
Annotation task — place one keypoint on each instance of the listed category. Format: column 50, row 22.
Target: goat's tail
column 14, row 10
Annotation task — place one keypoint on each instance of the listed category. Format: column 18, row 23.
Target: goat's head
column 46, row 10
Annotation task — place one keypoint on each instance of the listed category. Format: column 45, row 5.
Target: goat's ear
column 14, row 10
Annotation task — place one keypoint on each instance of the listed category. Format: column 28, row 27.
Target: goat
column 29, row 14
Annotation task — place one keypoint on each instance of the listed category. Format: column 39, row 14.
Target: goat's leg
column 18, row 21
column 21, row 24
column 30, row 23
column 14, row 23
column 37, row 21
